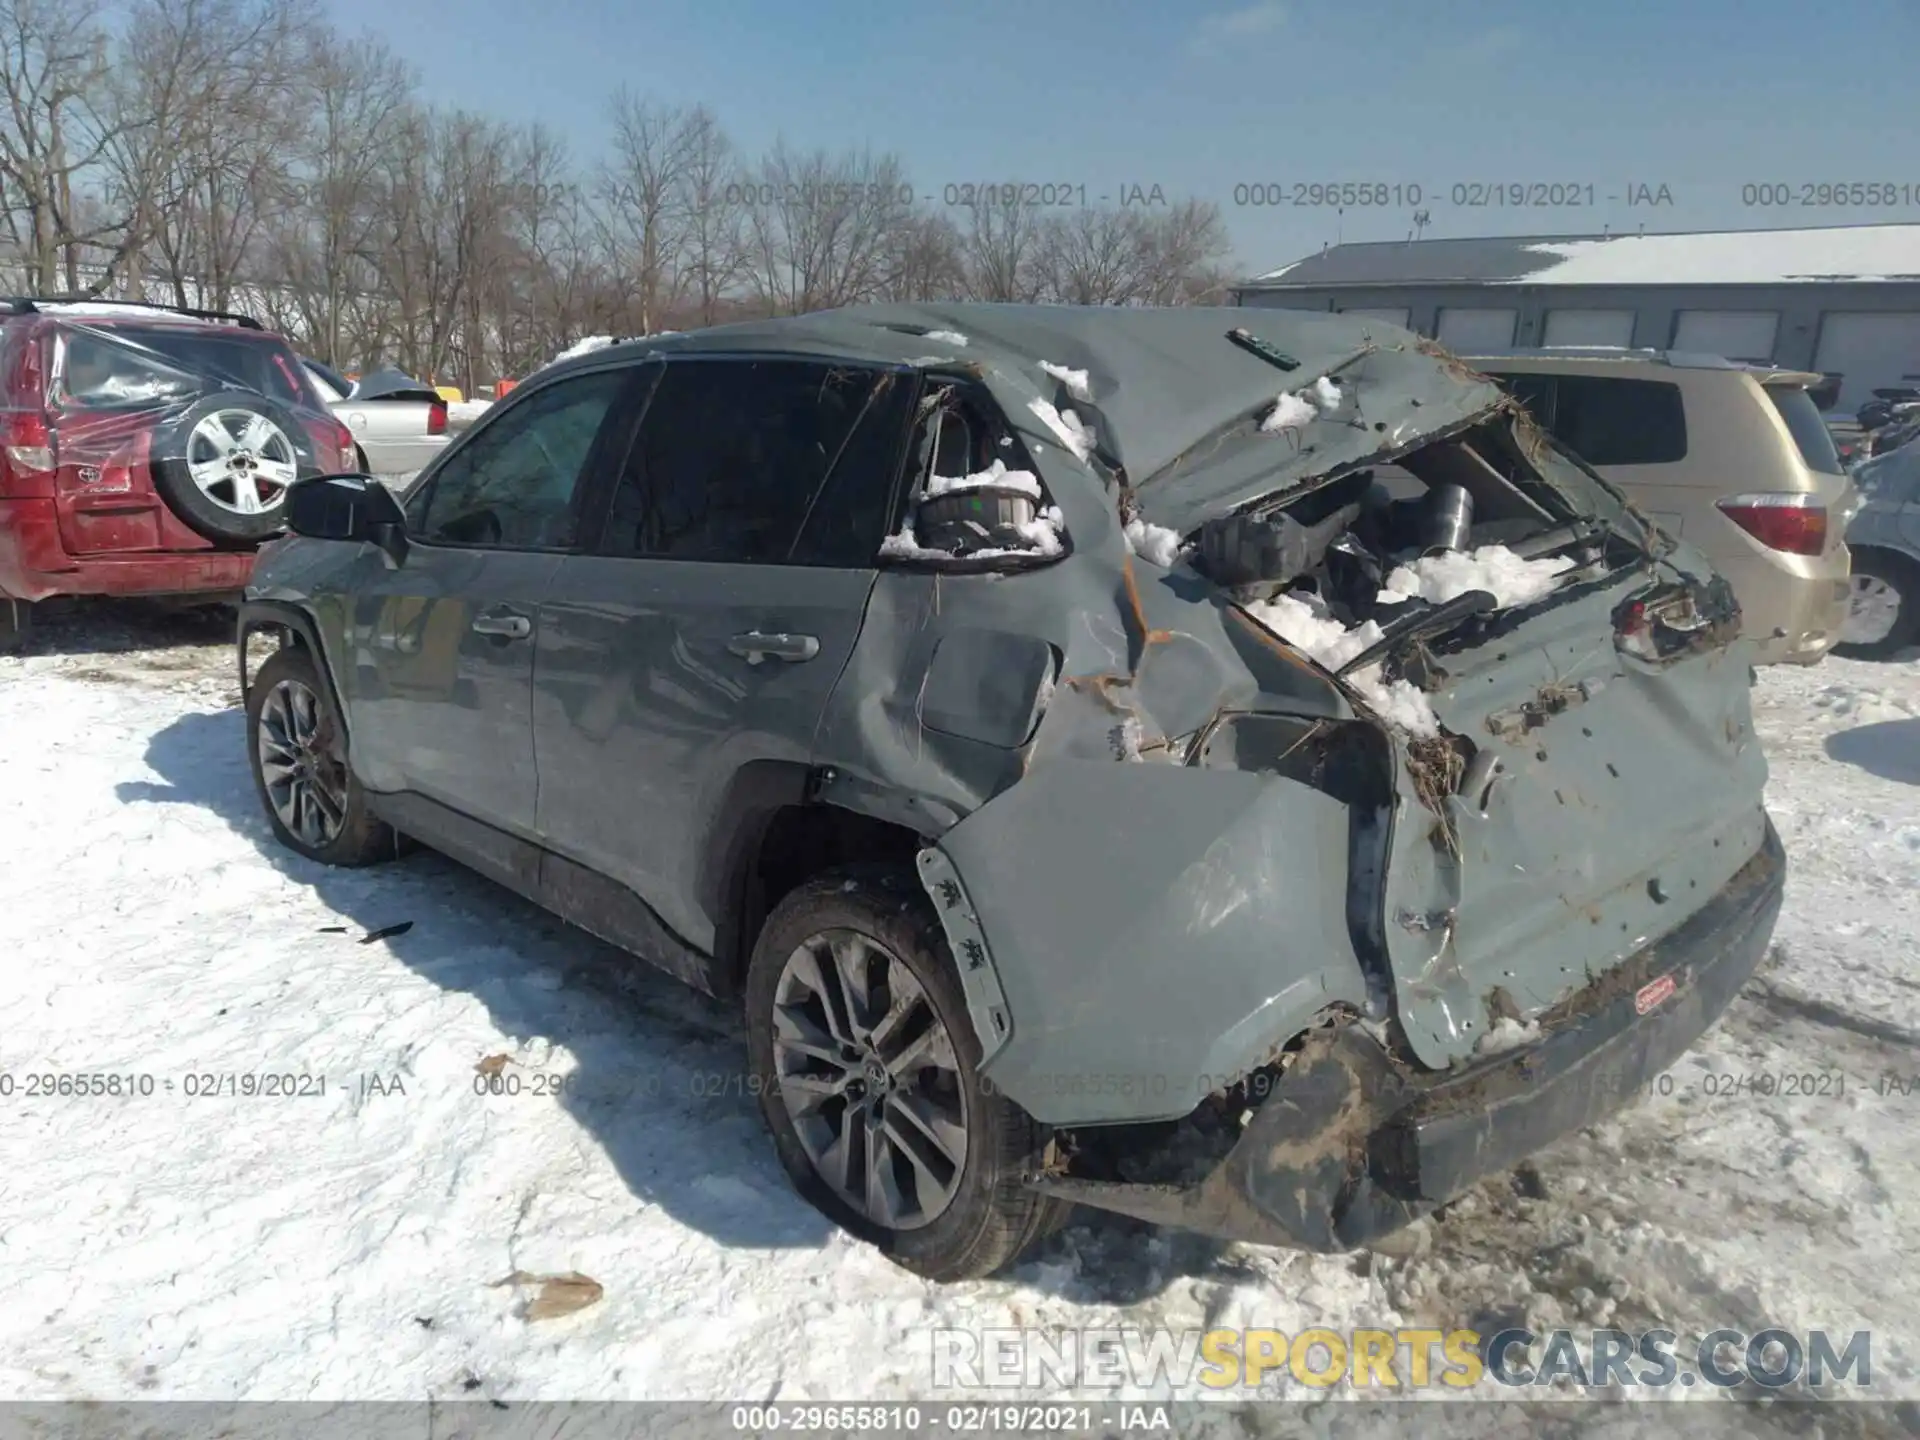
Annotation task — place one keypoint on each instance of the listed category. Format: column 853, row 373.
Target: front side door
column 709, row 625
column 442, row 646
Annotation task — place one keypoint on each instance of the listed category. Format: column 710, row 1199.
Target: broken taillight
column 437, row 418
column 1791, row 524
column 1677, row 618
column 27, row 459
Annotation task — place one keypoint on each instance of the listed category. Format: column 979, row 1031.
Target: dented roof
column 1170, row 390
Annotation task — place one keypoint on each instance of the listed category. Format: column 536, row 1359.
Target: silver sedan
column 399, row 424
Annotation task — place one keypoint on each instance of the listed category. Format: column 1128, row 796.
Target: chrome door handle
column 510, row 627
column 756, row 645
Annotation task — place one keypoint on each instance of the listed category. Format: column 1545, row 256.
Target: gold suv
column 1733, row 458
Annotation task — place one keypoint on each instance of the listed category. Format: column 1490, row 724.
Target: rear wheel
column 1883, row 607
column 864, row 1060
column 312, row 799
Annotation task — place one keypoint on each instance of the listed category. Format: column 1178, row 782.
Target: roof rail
column 30, row 305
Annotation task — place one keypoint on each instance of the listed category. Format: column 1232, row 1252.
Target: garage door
column 1868, row 351
column 1392, row 317
column 1588, row 327
column 1736, row 334
column 1469, row 330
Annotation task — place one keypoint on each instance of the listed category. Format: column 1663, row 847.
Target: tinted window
column 1606, row 421
column 1809, row 431
column 514, row 484
column 774, row 461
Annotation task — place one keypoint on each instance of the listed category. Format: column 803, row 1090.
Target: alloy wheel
column 241, row 461
column 306, row 783
column 1873, row 609
column 868, row 1074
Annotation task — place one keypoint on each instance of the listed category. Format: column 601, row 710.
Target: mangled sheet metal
column 1286, row 671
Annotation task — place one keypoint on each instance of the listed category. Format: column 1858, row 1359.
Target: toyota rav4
column 1227, row 767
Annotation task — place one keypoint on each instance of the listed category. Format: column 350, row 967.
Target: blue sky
column 1701, row 96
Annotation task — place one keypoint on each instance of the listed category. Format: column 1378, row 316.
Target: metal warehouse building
column 1843, row 300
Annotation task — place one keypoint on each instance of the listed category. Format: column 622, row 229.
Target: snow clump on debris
column 1155, row 544
column 945, row 337
column 1306, row 625
column 1494, row 568
column 1068, row 428
column 1074, row 380
column 1301, row 407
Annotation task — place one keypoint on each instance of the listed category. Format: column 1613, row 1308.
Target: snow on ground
column 348, row 1245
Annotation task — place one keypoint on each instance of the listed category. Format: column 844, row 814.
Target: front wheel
column 312, row 799
column 864, row 1061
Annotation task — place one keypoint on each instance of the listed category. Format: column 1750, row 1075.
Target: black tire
column 993, row 1215
column 1901, row 576
column 211, row 513
column 16, row 623
column 360, row 838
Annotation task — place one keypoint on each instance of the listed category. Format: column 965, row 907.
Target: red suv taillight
column 437, row 418
column 1792, row 524
column 27, row 459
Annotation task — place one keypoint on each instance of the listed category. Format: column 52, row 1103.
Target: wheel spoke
column 853, row 963
column 255, row 434
column 793, row 1031
column 923, row 1132
column 246, row 494
column 277, row 472
column 884, row 1201
column 824, row 982
column 806, row 1094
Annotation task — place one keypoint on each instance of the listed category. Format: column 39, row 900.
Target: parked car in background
column 1883, row 617
column 1731, row 457
column 145, row 450
column 1093, row 788
column 399, row 424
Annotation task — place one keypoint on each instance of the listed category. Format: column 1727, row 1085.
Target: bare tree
column 53, row 82
column 709, row 214
column 322, row 246
column 1002, row 238
column 822, row 228
column 641, row 193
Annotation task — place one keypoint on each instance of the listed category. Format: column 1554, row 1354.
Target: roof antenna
column 1606, row 231
column 1421, row 219
column 1643, row 230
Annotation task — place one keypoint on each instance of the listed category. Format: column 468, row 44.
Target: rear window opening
column 972, row 492
column 134, row 365
column 1354, row 571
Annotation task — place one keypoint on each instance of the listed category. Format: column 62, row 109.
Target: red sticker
column 1653, row 994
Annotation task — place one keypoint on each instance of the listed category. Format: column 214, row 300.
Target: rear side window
column 762, row 461
column 1609, row 421
column 1809, row 431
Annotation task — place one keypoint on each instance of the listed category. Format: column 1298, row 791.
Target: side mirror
column 352, row 508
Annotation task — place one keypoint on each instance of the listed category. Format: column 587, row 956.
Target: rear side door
column 708, row 627
column 439, row 692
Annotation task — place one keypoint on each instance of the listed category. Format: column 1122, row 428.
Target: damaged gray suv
column 1226, row 767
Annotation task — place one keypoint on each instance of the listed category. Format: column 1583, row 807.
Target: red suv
column 146, row 450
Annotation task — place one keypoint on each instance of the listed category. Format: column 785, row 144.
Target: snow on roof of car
column 1707, row 257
